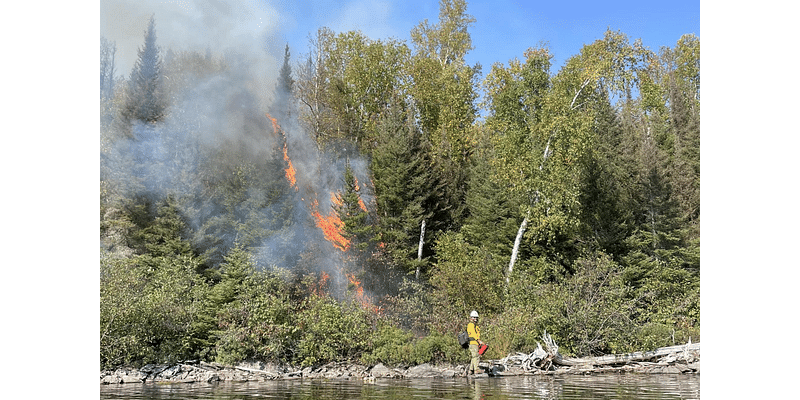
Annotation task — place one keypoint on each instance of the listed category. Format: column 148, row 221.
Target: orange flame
column 360, row 200
column 363, row 299
column 291, row 173
column 319, row 288
column 336, row 200
column 331, row 227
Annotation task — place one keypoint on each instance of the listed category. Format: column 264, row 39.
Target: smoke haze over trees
column 356, row 202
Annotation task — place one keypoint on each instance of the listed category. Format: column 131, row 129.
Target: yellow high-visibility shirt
column 474, row 332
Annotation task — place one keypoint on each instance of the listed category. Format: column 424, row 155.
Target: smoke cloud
column 219, row 118
column 248, row 26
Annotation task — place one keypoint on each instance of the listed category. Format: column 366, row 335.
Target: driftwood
column 547, row 357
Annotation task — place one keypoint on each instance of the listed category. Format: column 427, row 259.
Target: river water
column 606, row 386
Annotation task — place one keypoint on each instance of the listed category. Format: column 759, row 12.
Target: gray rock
column 110, row 378
column 422, row 371
column 380, row 371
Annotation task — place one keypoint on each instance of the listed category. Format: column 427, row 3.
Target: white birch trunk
column 419, row 250
column 514, row 252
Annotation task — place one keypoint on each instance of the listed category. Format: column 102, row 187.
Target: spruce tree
column 284, row 89
column 353, row 215
column 145, row 99
column 491, row 221
column 405, row 190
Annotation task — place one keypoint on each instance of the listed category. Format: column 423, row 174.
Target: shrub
column 390, row 345
column 331, row 331
column 147, row 308
column 438, row 348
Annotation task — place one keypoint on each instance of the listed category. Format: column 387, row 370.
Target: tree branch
column 586, row 82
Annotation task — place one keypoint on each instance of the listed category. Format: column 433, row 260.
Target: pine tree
column 353, row 215
column 603, row 197
column 443, row 92
column 145, row 99
column 284, row 91
column 491, row 221
column 406, row 192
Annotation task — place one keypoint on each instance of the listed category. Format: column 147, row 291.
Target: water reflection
column 609, row 386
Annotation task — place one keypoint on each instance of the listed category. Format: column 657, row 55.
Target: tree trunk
column 515, row 251
column 419, row 249
column 552, row 351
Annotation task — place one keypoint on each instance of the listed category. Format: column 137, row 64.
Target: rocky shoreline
column 197, row 372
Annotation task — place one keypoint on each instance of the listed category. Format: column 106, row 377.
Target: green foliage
column 146, row 309
column 352, row 211
column 406, row 191
column 411, row 308
column 513, row 329
column 145, row 96
column 148, row 300
column 589, row 312
column 599, row 160
column 390, row 345
column 349, row 84
column 250, row 201
column 255, row 315
column 490, row 222
column 438, row 347
column 465, row 278
column 395, row 346
column 331, row 331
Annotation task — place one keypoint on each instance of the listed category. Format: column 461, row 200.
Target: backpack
column 463, row 339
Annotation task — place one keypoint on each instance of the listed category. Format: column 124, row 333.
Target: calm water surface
column 617, row 386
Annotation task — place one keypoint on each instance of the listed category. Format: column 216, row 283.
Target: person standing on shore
column 474, row 332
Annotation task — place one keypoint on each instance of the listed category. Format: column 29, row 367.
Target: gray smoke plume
column 218, row 117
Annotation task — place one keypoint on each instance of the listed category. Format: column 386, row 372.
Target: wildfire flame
column 332, row 227
column 360, row 200
column 362, row 298
column 322, row 284
column 359, row 290
column 291, row 173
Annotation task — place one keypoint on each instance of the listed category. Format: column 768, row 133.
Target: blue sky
column 503, row 30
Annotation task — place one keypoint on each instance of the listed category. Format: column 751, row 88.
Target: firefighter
column 474, row 332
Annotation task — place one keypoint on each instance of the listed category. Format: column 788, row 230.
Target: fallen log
column 615, row 359
column 625, row 358
column 547, row 358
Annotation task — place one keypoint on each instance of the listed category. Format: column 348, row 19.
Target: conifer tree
column 604, row 194
column 491, row 221
column 145, row 98
column 284, row 90
column 353, row 214
column 443, row 92
column 406, row 191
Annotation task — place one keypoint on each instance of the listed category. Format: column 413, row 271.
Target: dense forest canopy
column 360, row 206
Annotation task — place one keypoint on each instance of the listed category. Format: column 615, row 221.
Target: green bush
column 331, row 331
column 438, row 348
column 254, row 314
column 465, row 278
column 147, row 308
column 390, row 345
